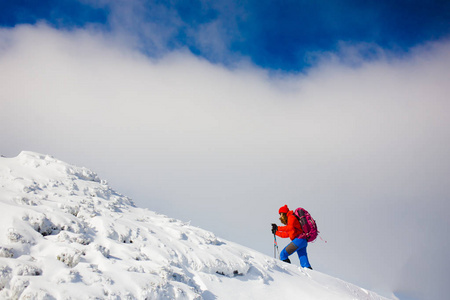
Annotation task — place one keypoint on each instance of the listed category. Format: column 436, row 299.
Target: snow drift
column 66, row 234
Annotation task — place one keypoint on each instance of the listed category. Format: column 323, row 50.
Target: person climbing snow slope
column 292, row 230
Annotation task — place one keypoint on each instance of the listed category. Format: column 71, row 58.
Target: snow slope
column 66, row 234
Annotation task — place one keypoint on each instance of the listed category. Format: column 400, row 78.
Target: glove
column 274, row 228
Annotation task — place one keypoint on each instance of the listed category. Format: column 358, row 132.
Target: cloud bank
column 362, row 145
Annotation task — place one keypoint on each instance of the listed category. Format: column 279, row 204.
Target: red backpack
column 308, row 224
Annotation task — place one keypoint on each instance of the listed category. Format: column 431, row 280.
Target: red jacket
column 293, row 228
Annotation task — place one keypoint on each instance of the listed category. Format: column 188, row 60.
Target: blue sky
column 279, row 35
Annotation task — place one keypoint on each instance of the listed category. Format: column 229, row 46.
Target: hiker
column 292, row 230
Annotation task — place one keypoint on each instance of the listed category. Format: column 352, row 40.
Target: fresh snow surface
column 66, row 234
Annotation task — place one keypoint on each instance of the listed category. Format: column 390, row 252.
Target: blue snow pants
column 299, row 246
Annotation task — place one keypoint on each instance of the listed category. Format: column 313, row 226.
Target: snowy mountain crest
column 66, row 234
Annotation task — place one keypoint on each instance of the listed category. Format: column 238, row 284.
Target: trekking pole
column 275, row 246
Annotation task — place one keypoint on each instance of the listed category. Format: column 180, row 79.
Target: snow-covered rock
column 66, row 234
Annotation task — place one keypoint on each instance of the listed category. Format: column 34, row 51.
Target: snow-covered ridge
column 66, row 234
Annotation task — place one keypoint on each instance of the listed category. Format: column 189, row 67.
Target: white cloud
column 364, row 149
